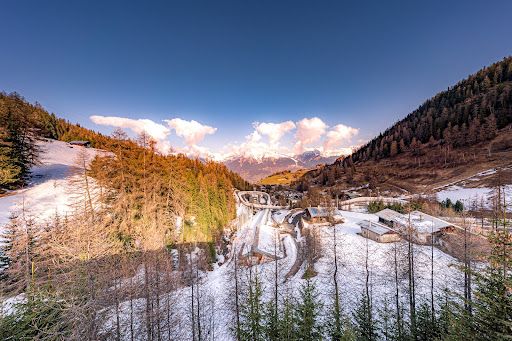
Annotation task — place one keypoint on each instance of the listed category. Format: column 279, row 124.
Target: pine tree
column 493, row 294
column 426, row 327
column 364, row 320
column 8, row 236
column 287, row 321
column 252, row 310
column 307, row 313
column 40, row 318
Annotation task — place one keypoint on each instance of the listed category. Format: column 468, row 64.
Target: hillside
column 37, row 172
column 286, row 177
column 456, row 134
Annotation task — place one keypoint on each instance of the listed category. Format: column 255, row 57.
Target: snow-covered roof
column 317, row 212
column 422, row 222
column 375, row 227
column 388, row 214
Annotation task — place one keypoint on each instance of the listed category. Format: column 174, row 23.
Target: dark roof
column 81, row 143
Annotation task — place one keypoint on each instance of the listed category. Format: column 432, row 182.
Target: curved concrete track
column 261, row 202
column 254, row 199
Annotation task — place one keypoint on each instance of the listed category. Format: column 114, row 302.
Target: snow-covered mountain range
column 254, row 169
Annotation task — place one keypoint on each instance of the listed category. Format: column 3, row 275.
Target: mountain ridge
column 254, row 169
column 466, row 128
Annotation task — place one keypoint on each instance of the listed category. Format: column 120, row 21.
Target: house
column 86, row 144
column 420, row 227
column 321, row 215
column 316, row 215
column 387, row 216
column 425, row 229
column 378, row 232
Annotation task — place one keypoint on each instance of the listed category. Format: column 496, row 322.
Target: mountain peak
column 254, row 168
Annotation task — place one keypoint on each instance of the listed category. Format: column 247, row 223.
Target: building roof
column 375, row 227
column 422, row 222
column 317, row 212
column 388, row 214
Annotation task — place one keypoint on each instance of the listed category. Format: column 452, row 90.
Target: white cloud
column 192, row 131
column 309, row 130
column 253, row 147
column 156, row 131
column 195, row 151
column 274, row 131
column 338, row 135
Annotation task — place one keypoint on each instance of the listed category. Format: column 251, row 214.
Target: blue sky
column 227, row 64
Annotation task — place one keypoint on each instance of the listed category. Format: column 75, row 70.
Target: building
column 316, row 215
column 422, row 228
column 388, row 216
column 425, row 228
column 86, row 144
column 378, row 232
column 321, row 215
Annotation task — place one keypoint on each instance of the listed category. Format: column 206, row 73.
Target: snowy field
column 51, row 186
column 466, row 191
column 352, row 250
column 469, row 195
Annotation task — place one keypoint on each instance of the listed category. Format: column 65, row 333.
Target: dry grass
column 283, row 178
column 435, row 167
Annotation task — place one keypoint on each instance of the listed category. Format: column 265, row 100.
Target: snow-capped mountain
column 254, row 169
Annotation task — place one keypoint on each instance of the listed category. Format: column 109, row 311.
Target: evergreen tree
column 287, row 320
column 365, row 326
column 42, row 317
column 307, row 313
column 271, row 322
column 493, row 294
column 426, row 327
column 8, row 236
column 459, row 206
column 252, row 311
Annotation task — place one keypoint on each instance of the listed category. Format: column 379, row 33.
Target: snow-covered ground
column 269, row 241
column 471, row 195
column 469, row 192
column 50, row 190
column 352, row 250
column 280, row 215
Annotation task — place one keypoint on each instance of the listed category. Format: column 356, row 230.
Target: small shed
column 86, row 144
column 378, row 232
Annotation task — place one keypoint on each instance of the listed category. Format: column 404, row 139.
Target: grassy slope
column 283, row 178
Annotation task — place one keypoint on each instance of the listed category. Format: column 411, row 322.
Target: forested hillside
column 203, row 190
column 467, row 123
column 467, row 113
column 135, row 213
